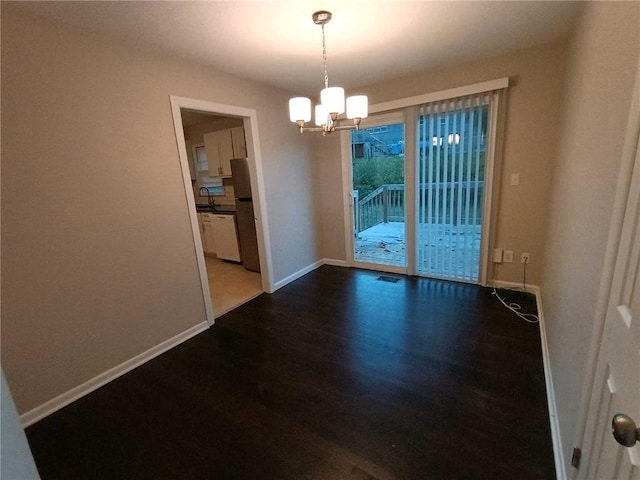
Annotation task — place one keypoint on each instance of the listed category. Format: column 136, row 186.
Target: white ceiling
column 277, row 43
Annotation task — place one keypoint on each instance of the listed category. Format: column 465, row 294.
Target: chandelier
column 332, row 101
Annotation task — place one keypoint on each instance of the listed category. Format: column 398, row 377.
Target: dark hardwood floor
column 338, row 375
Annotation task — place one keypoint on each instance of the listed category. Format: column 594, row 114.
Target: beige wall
column 533, row 117
column 98, row 262
column 602, row 61
column 329, row 205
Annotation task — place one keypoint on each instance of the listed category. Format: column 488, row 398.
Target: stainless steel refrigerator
column 244, row 214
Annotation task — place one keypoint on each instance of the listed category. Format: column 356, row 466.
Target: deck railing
column 386, row 204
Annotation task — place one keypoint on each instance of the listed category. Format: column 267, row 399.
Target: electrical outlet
column 525, row 257
column 508, row 256
column 515, row 179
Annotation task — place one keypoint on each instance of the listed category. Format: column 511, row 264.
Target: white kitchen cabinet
column 221, row 147
column 208, row 236
column 225, row 234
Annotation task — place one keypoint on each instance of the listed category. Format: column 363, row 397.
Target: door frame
column 492, row 170
column 250, row 121
column 628, row 162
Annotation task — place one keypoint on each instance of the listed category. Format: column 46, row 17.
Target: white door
column 616, row 387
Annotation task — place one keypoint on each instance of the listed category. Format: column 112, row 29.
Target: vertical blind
column 452, row 148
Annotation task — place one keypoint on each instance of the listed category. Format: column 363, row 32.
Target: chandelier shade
column 332, row 99
column 321, row 115
column 299, row 109
column 357, row 107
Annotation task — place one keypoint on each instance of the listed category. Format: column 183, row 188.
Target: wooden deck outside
column 382, row 244
column 452, row 250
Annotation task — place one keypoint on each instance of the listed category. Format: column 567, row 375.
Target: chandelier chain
column 332, row 99
column 324, row 57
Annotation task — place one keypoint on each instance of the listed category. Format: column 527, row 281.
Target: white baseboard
column 294, row 276
column 561, row 469
column 309, row 268
column 528, row 288
column 55, row 404
column 334, row 262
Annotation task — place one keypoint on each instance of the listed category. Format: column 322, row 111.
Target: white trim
column 380, row 268
column 556, row 438
column 551, row 396
column 259, row 200
column 334, row 262
column 309, row 268
column 347, row 191
column 488, row 86
column 381, row 119
column 515, row 285
column 193, row 215
column 294, row 276
column 498, row 154
column 55, row 404
column 561, row 471
column 488, row 205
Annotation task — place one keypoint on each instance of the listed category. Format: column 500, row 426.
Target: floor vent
column 385, row 278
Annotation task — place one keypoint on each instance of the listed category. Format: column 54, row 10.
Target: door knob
column 625, row 430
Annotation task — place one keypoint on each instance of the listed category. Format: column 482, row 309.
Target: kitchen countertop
column 217, row 210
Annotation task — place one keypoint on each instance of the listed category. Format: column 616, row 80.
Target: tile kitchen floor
column 231, row 285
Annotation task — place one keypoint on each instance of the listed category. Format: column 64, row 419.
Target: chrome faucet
column 207, row 193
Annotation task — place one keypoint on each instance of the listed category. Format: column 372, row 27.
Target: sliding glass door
column 378, row 188
column 451, row 168
column 423, row 209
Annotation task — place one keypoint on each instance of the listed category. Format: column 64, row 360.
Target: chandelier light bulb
column 357, row 107
column 333, row 99
column 299, row 109
column 321, row 115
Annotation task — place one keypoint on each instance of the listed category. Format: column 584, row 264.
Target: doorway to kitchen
column 224, row 193
column 233, row 273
